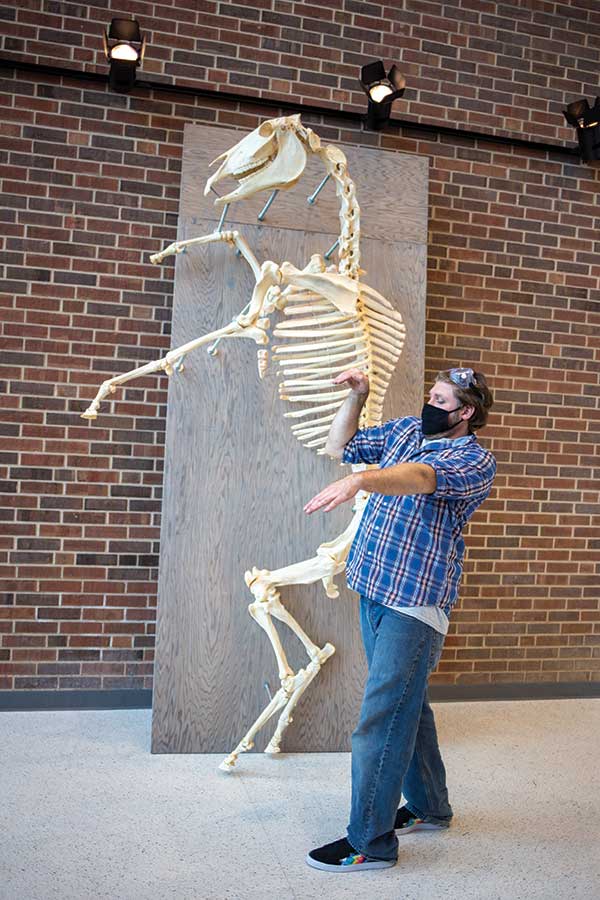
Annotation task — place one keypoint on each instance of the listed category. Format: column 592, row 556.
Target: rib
column 328, row 418
column 324, row 357
column 313, row 409
column 330, row 318
column 306, row 382
column 292, row 348
column 321, row 332
column 308, row 398
column 326, row 370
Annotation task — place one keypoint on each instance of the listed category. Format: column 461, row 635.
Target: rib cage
column 320, row 343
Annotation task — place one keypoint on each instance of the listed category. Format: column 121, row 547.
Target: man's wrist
column 359, row 480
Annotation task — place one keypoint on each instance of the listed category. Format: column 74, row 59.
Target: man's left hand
column 339, row 492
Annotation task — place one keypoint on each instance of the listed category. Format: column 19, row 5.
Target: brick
column 36, row 684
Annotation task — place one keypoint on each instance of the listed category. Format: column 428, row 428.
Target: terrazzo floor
column 89, row 813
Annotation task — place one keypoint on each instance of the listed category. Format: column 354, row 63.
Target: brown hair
column 477, row 395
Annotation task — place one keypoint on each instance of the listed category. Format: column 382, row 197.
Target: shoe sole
column 358, row 867
column 421, row 826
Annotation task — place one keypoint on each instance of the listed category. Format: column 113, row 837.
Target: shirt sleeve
column 368, row 444
column 464, row 476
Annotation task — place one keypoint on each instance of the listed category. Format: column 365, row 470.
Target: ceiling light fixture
column 124, row 49
column 586, row 120
column 381, row 90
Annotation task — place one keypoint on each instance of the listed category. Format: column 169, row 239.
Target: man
column 406, row 563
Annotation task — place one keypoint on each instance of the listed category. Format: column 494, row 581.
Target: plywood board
column 235, row 484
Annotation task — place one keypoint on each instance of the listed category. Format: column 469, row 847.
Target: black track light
column 381, row 90
column 124, row 49
column 586, row 120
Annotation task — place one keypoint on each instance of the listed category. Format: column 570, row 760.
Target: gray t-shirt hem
column 431, row 615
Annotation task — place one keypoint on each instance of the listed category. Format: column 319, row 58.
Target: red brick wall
column 90, row 186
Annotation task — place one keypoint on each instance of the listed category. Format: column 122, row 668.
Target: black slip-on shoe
column 407, row 821
column 340, row 856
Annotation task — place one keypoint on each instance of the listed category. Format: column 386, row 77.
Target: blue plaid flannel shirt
column 408, row 550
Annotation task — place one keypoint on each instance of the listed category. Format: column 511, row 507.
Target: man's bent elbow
column 428, row 479
column 334, row 452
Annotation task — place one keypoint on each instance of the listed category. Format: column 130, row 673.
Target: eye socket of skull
column 265, row 130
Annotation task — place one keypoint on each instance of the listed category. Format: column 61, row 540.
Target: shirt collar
column 444, row 443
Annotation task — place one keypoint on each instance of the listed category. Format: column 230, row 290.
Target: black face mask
column 435, row 420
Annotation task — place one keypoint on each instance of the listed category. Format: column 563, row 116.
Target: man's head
column 463, row 399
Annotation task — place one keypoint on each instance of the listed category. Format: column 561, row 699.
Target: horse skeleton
column 332, row 322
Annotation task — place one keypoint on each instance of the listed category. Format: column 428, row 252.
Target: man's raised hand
column 356, row 380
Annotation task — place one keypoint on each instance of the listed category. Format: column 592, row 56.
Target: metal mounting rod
column 313, row 197
column 331, row 250
column 222, row 219
column 212, row 350
column 265, row 208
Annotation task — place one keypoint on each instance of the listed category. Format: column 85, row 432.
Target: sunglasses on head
column 464, row 378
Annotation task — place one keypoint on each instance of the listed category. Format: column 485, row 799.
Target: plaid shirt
column 408, row 550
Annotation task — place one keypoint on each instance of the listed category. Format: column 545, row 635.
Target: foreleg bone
column 172, row 361
column 233, row 238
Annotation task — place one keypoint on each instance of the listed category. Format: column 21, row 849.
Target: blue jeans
column 394, row 747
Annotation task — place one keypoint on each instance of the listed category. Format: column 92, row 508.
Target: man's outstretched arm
column 395, row 481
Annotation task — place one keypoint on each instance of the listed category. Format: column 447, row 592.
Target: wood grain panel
column 391, row 190
column 235, row 484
